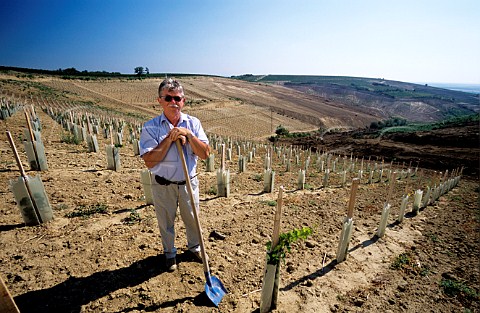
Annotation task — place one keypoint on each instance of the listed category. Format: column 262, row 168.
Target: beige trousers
column 166, row 200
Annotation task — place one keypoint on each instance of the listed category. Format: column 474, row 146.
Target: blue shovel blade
column 214, row 289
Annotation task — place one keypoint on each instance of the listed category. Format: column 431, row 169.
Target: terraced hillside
column 380, row 97
column 258, row 108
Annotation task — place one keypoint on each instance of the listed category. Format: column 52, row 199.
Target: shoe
column 171, row 264
column 198, row 256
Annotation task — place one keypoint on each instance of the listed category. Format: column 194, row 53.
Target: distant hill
column 471, row 88
column 321, row 102
column 380, row 97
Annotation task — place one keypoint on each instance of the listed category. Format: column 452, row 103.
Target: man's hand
column 199, row 148
column 179, row 133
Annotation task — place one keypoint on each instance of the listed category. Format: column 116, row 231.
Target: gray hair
column 171, row 85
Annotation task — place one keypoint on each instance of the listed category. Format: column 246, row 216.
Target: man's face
column 172, row 101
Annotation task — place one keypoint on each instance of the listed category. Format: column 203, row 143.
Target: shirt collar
column 183, row 117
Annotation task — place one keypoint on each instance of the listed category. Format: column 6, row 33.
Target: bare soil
column 113, row 261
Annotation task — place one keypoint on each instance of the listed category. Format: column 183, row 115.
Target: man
column 159, row 152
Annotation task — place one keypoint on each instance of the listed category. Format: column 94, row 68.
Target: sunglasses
column 169, row 98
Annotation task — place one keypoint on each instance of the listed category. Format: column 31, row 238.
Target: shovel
column 214, row 287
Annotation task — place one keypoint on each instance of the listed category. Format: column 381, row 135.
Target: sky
column 407, row 40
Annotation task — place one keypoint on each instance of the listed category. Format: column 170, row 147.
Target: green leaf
column 284, row 244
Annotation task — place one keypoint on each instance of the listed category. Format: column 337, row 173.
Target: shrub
column 282, row 131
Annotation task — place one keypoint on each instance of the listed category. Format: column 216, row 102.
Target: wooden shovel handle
column 353, row 193
column 206, row 268
column 17, row 158
column 278, row 215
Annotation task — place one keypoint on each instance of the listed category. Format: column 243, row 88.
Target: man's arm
column 199, row 147
column 156, row 155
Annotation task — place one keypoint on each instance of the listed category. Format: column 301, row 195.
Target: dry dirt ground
column 113, row 262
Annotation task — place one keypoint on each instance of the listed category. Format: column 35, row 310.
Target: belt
column 165, row 182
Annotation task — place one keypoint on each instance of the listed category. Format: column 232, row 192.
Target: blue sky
column 414, row 41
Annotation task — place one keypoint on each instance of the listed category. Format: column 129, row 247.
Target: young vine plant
column 284, row 244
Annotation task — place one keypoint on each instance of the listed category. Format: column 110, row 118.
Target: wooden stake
column 420, row 178
column 88, row 125
column 34, row 115
column 278, row 215
column 223, row 157
column 407, row 182
column 353, row 193
column 436, row 178
column 24, row 177
column 111, row 135
column 392, row 184
column 445, row 176
column 30, row 130
column 323, row 262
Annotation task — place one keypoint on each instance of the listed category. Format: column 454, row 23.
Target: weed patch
column 455, row 288
column 433, row 237
column 69, row 138
column 133, row 218
column 406, row 263
column 270, row 202
column 212, row 191
column 258, row 178
column 308, row 187
column 87, row 211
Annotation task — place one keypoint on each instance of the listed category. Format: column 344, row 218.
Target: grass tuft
column 133, row 218
column 86, row 212
column 454, row 288
column 70, row 139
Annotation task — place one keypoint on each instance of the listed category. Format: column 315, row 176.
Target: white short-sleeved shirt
column 155, row 130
